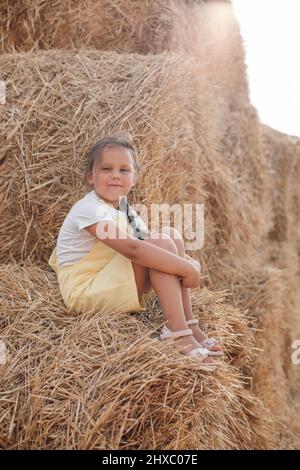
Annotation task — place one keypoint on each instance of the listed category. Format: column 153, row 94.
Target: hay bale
column 197, row 118
column 58, row 103
column 207, row 30
column 276, row 378
column 239, row 141
column 283, row 256
column 266, row 288
column 30, row 24
column 283, row 155
column 282, row 251
column 82, row 382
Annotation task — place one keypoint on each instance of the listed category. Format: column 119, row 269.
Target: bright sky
column 271, row 34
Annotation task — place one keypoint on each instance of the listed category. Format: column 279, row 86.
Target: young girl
column 106, row 258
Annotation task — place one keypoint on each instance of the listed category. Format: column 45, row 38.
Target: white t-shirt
column 73, row 241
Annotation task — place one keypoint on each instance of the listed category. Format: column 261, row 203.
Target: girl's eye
column 106, row 168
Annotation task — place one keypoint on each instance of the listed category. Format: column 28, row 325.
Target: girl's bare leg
column 185, row 291
column 168, row 289
column 199, row 335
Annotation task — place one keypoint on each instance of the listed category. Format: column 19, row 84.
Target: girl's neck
column 109, row 203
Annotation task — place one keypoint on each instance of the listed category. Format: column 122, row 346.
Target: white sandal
column 200, row 353
column 207, row 343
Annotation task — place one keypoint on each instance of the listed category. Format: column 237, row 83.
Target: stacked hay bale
column 209, row 33
column 204, row 29
column 283, row 156
column 283, row 252
column 87, row 383
column 50, row 120
column 95, row 93
column 193, row 114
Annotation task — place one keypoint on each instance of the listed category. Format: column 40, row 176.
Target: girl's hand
column 192, row 278
column 194, row 261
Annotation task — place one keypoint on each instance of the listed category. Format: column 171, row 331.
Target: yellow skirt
column 102, row 280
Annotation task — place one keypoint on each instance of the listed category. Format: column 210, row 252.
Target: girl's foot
column 200, row 336
column 185, row 344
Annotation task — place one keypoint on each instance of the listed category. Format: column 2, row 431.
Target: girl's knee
column 165, row 242
column 176, row 237
column 168, row 244
column 172, row 232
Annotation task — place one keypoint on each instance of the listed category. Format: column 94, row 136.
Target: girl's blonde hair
column 116, row 139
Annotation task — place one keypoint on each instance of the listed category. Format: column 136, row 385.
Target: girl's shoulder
column 89, row 210
column 88, row 200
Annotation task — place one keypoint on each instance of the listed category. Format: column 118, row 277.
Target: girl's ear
column 89, row 178
column 135, row 177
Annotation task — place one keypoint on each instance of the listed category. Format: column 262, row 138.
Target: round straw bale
column 282, row 152
column 59, row 103
column 266, row 288
column 207, row 30
column 82, row 382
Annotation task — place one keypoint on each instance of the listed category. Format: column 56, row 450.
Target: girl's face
column 114, row 175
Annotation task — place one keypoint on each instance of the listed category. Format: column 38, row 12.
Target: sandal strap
column 209, row 342
column 166, row 333
column 203, row 352
column 193, row 321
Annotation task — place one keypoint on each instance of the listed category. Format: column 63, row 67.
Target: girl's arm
column 154, row 257
column 142, row 252
column 194, row 261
